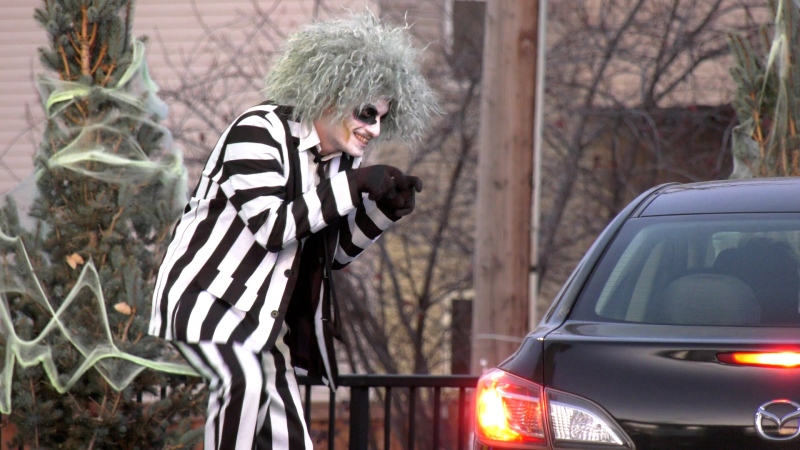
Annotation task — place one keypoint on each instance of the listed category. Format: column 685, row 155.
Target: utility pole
column 505, row 179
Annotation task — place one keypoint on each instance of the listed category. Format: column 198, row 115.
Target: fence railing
column 360, row 420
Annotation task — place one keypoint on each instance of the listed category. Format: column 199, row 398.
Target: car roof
column 765, row 195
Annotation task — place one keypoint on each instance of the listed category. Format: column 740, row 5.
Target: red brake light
column 509, row 409
column 762, row 359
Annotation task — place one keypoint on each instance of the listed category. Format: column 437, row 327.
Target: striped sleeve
column 362, row 227
column 254, row 176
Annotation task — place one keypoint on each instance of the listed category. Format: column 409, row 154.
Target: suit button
column 274, row 314
column 287, row 272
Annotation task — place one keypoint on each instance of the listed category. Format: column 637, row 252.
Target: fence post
column 359, row 418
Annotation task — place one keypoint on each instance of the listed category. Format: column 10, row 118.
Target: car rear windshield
column 726, row 270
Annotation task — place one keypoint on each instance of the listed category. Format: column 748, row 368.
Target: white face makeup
column 354, row 133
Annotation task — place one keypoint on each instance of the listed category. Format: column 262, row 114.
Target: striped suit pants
column 253, row 398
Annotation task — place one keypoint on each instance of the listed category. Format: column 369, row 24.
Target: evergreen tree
column 109, row 191
column 767, row 101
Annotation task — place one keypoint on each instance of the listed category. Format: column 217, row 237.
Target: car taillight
column 574, row 419
column 509, row 409
column 762, row 359
column 512, row 410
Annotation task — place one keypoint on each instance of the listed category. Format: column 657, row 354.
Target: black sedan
column 679, row 329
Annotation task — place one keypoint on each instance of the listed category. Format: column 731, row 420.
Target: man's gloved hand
column 403, row 203
column 378, row 181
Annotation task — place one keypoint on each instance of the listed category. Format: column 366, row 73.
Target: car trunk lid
column 667, row 388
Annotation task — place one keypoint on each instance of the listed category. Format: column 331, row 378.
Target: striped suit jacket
column 242, row 232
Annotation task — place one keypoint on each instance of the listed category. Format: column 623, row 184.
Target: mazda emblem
column 778, row 420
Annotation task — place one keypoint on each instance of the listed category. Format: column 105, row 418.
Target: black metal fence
column 360, row 420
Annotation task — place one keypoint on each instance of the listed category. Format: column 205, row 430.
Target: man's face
column 353, row 134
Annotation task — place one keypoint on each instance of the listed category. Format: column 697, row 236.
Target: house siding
column 174, row 31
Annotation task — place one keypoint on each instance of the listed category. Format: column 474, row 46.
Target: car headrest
column 710, row 299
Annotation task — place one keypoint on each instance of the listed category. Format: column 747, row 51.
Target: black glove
column 409, row 182
column 403, row 203
column 379, row 181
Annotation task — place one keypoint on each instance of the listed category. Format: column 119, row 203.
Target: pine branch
column 85, row 50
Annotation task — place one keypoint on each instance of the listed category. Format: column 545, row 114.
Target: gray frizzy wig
column 343, row 64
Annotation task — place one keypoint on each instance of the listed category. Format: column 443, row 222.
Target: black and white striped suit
column 229, row 273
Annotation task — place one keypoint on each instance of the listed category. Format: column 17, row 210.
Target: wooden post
column 505, row 179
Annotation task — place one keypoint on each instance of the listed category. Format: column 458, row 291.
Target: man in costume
column 245, row 290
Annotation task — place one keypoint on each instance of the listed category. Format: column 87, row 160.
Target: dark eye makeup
column 368, row 115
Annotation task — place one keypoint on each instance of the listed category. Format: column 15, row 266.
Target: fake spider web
column 116, row 366
column 124, row 163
